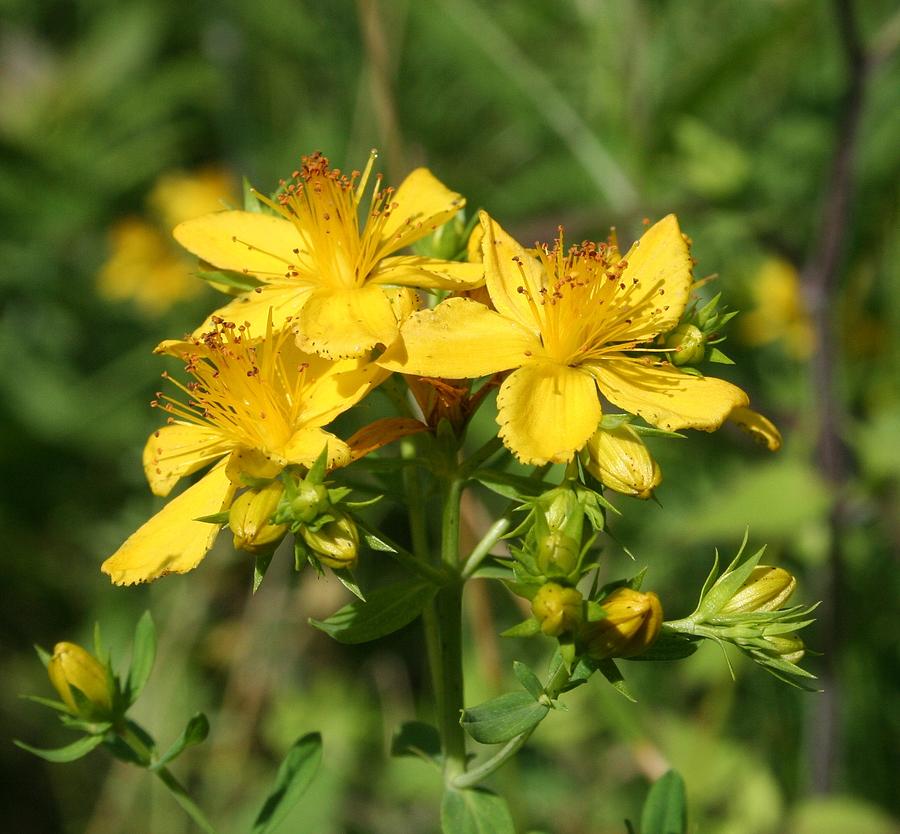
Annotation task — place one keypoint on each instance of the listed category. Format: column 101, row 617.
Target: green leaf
column 503, row 718
column 475, row 811
column 416, row 738
column 346, row 579
column 387, row 610
column 527, row 628
column 143, row 654
column 611, row 672
column 69, row 753
column 43, row 654
column 528, row 679
column 196, row 731
column 509, row 486
column 665, row 810
column 716, row 355
column 295, row 775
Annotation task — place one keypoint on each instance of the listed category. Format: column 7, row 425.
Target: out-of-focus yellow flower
column 567, row 323
column 319, row 268
column 73, row 667
column 618, row 458
column 632, row 623
column 255, row 406
column 780, row 313
column 144, row 264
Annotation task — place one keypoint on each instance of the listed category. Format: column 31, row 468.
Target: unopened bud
column 335, row 543
column 250, row 519
column 766, row 589
column 687, row 343
column 618, row 458
column 446, row 241
column 311, row 500
column 557, row 608
column 632, row 623
column 557, row 554
column 72, row 667
column 790, row 649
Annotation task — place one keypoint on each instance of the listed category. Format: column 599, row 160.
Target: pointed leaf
column 260, row 566
column 527, row 628
column 503, row 718
column 475, row 811
column 69, row 753
column 665, row 810
column 347, row 580
column 387, row 610
column 143, row 654
column 611, row 672
column 196, row 731
column 295, row 775
column 528, row 679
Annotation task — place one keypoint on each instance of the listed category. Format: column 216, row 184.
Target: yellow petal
column 283, row 300
column 666, row 397
column 547, row 412
column 306, row 445
column 507, row 267
column 422, row 203
column 759, row 427
column 172, row 541
column 380, row 433
column 459, row 339
column 243, row 241
column 177, row 450
column 428, row 273
column 654, row 288
column 334, row 386
column 337, row 322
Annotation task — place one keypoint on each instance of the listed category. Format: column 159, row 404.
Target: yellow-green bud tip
column 557, row 608
column 766, row 589
column 557, row 554
column 250, row 519
column 73, row 667
column 619, row 459
column 688, row 344
column 632, row 623
column 336, row 543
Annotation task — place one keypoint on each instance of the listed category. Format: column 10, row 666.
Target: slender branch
column 820, row 276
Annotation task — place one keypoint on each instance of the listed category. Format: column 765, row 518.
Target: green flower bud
column 335, row 543
column 72, row 667
column 619, row 459
column 446, row 241
column 250, row 519
column 557, row 554
column 688, row 344
column 632, row 623
column 562, row 510
column 311, row 500
column 557, row 608
column 766, row 589
column 787, row 648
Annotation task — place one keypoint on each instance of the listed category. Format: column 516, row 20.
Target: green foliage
column 665, row 809
column 475, row 811
column 295, row 774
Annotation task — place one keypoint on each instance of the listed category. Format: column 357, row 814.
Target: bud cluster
column 694, row 340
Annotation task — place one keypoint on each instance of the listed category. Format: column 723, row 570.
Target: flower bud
column 632, row 623
column 687, row 343
column 446, row 241
column 766, row 589
column 557, row 554
column 557, row 608
column 335, row 543
column 790, row 648
column 311, row 500
column 250, row 519
column 618, row 458
column 73, row 667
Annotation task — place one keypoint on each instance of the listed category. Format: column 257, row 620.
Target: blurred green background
column 771, row 128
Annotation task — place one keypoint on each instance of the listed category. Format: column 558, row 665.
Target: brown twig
column 820, row 277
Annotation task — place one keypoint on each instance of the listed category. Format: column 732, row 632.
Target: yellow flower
column 567, row 323
column 632, row 623
column 780, row 313
column 318, row 266
column 73, row 667
column 557, row 608
column 253, row 406
column 144, row 265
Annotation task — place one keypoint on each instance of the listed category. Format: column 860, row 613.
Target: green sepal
column 338, row 494
column 527, row 628
column 214, row 518
column 594, row 612
column 195, row 732
column 567, row 652
column 386, row 611
column 43, row 655
column 295, row 774
column 610, row 671
column 726, row 586
column 229, row 278
column 716, row 355
column 514, row 487
column 69, row 753
column 59, row 706
column 260, row 565
column 84, row 725
column 251, row 203
column 668, row 646
column 346, row 578
column 503, row 717
column 416, row 738
column 320, row 465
